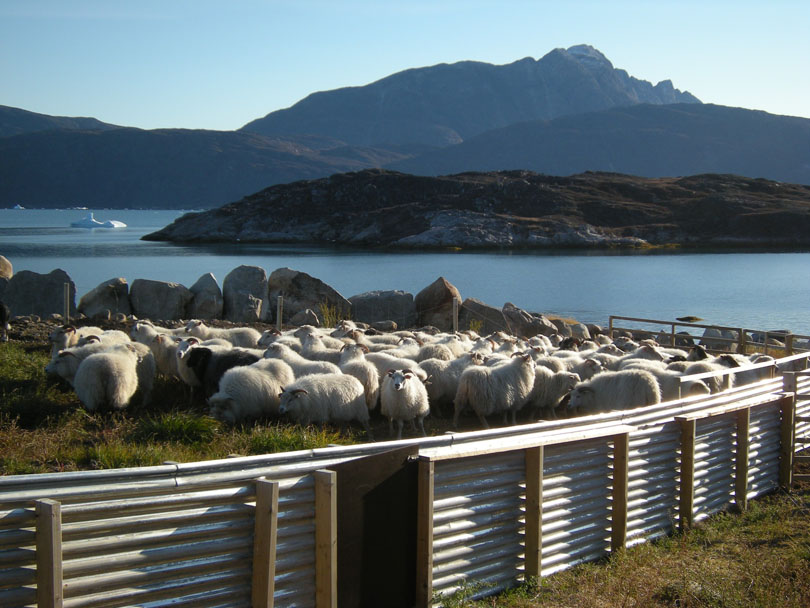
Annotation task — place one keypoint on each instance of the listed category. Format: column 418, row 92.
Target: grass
column 760, row 558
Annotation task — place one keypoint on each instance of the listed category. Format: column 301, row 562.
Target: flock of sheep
column 314, row 375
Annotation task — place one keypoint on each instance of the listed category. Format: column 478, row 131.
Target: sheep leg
column 390, row 427
column 399, row 429
column 483, row 420
column 514, row 417
column 422, row 426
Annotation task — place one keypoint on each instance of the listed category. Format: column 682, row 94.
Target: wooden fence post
column 49, row 553
column 455, row 315
column 279, row 311
column 621, row 475
column 787, row 432
column 264, row 543
column 534, row 511
column 325, row 539
column 687, row 476
column 741, row 467
column 67, row 303
column 424, row 534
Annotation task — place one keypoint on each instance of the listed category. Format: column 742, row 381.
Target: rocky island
column 509, row 209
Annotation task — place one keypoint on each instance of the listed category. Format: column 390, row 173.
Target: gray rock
column 579, row 330
column 6, row 269
column 480, row 317
column 562, row 327
column 526, row 325
column 244, row 295
column 159, row 300
column 594, row 329
column 305, row 317
column 207, row 302
column 385, row 326
column 3, row 286
column 112, row 296
column 301, row 291
column 434, row 304
column 32, row 293
column 376, row 306
column 727, row 341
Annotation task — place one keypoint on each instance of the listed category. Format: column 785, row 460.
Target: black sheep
column 209, row 366
column 5, row 315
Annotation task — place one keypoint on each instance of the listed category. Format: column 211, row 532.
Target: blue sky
column 218, row 65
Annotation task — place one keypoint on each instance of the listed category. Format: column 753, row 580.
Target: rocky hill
column 14, row 121
column 446, row 104
column 377, row 208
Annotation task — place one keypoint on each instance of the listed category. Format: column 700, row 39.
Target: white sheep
column 67, row 336
column 403, row 397
column 669, row 380
column 108, row 336
column 489, row 390
column 272, row 336
column 716, row 384
column 615, row 390
column 324, row 398
column 442, row 376
column 300, row 365
column 314, row 348
column 237, row 336
column 383, row 362
column 107, row 379
column 250, row 392
column 353, row 362
column 549, row 390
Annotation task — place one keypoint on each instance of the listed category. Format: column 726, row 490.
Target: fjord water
column 739, row 289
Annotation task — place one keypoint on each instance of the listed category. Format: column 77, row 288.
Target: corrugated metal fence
column 493, row 507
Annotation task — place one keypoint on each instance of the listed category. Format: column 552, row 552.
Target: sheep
column 314, row 348
column 502, row 388
column 237, row 336
column 353, row 362
column 443, row 376
column 383, row 362
column 326, row 397
column 326, row 341
column 250, row 392
column 164, row 349
column 5, row 315
column 209, row 364
column 67, row 361
column 434, row 351
column 403, row 397
column 107, row 379
column 272, row 336
column 549, row 390
column 109, row 336
column 615, row 390
column 68, row 335
column 669, row 380
column 300, row 365
column 716, row 384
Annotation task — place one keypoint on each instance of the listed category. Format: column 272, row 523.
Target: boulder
column 111, row 296
column 384, row 326
column 301, row 291
column 434, row 304
column 207, row 302
column 524, row 324
column 562, row 327
column 32, row 293
column 594, row 329
column 376, row 306
column 244, row 295
column 305, row 317
column 720, row 339
column 480, row 317
column 159, row 300
column 579, row 331
column 6, row 269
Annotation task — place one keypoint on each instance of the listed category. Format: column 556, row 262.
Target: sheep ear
column 364, row 348
column 586, row 389
column 390, row 372
column 281, row 394
column 298, row 391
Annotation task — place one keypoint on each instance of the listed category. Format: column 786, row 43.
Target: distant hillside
column 645, row 140
column 14, row 121
column 449, row 103
column 166, row 168
column 509, row 209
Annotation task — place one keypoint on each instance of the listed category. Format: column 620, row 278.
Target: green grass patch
column 175, row 427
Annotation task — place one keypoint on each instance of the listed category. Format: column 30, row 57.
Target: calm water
column 753, row 290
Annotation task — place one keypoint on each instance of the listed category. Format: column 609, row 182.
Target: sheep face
column 288, row 400
column 399, row 378
column 582, row 398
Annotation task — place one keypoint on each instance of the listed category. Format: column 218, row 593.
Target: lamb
column 403, row 397
column 324, row 398
column 300, row 365
column 107, row 379
column 549, row 390
column 353, row 362
column 615, row 390
column 237, row 336
column 250, row 392
column 502, row 388
column 209, row 365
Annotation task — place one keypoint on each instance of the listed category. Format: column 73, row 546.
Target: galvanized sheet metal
column 715, row 457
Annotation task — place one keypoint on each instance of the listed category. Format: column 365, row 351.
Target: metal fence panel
column 715, row 449
column 763, row 450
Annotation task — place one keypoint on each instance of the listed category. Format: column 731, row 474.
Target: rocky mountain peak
column 588, row 55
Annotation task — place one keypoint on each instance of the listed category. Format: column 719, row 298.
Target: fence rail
column 492, row 507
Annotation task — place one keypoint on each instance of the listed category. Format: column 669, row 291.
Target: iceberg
column 88, row 221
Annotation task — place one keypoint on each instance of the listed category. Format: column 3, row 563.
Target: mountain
column 164, row 168
column 449, row 103
column 14, row 121
column 509, row 209
column 645, row 140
